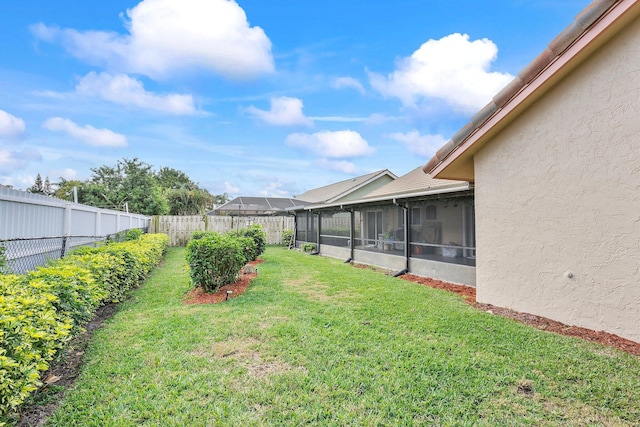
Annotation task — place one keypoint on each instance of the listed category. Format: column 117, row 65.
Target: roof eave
column 434, row 191
column 605, row 17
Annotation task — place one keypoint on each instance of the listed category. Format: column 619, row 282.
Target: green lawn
column 318, row 342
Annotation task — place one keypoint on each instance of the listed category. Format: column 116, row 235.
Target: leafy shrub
column 134, row 260
column 75, row 289
column 199, row 234
column 132, row 234
column 214, row 260
column 249, row 249
column 258, row 235
column 287, row 237
column 41, row 309
column 31, row 331
column 108, row 270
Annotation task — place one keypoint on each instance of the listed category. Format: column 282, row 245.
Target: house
column 306, row 223
column 256, row 206
column 555, row 161
column 349, row 189
column 438, row 242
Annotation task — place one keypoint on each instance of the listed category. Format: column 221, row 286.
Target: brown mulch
column 538, row 322
column 198, row 296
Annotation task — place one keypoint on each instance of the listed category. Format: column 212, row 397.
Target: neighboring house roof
column 256, row 206
column 412, row 185
column 341, row 190
column 593, row 27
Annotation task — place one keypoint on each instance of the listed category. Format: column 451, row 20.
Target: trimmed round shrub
column 214, row 261
column 259, row 237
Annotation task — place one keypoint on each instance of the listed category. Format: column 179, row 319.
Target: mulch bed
column 198, row 296
column 538, row 322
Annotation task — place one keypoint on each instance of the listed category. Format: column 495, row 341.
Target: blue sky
column 253, row 97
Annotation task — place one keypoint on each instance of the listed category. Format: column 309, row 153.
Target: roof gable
column 343, row 189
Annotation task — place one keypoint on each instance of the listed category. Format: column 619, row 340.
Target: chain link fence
column 21, row 255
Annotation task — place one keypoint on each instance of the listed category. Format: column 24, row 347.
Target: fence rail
column 180, row 228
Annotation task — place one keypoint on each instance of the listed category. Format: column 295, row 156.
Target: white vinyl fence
column 35, row 228
column 180, row 228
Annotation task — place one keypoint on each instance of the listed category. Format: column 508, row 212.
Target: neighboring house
column 256, row 206
column 555, row 159
column 306, row 223
column 349, row 189
column 439, row 241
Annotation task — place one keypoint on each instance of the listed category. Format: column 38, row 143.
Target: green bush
column 199, row 234
column 258, row 235
column 133, row 234
column 108, row 270
column 41, row 309
column 133, row 261
column 31, row 332
column 77, row 292
column 249, row 249
column 214, row 261
column 287, row 237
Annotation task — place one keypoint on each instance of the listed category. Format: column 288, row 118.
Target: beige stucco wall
column 558, row 194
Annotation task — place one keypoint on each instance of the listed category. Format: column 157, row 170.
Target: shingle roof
column 415, row 181
column 559, row 45
column 257, row 205
column 332, row 192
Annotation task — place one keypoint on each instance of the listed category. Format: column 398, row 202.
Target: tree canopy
column 133, row 185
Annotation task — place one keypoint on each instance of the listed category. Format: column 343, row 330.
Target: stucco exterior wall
column 558, row 199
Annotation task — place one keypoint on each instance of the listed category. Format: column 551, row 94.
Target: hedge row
column 41, row 310
column 215, row 259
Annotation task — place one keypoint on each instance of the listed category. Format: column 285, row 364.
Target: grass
column 317, row 342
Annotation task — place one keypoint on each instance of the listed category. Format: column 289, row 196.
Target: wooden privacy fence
column 180, row 228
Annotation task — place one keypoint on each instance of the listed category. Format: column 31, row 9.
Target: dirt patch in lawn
column 469, row 295
column 198, row 296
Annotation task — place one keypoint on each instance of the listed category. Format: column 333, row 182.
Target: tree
column 172, row 179
column 183, row 201
column 40, row 187
column 221, row 199
column 65, row 187
column 130, row 184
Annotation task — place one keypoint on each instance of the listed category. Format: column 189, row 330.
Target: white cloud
column 274, row 189
column 166, row 36
column 452, row 69
column 230, row 189
column 337, row 165
column 422, row 145
column 11, row 161
column 348, row 82
column 124, row 90
column 284, row 112
column 340, row 119
column 87, row 134
column 10, row 125
column 332, row 145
